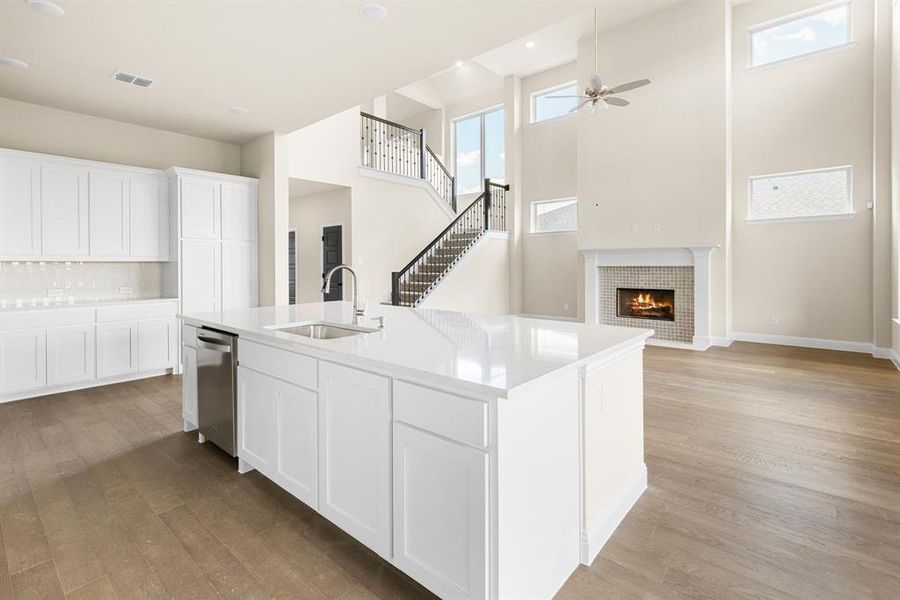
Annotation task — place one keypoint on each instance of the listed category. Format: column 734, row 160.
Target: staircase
column 401, row 150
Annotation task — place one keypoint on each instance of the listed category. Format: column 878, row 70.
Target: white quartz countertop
column 84, row 303
column 494, row 353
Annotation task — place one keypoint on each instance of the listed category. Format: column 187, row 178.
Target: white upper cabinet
column 238, row 211
column 109, row 213
column 64, row 210
column 200, row 208
column 57, row 208
column 20, row 207
column 149, row 218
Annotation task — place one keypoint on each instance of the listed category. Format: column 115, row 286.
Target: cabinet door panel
column 256, row 420
column 108, row 193
column 297, row 419
column 23, row 359
column 200, row 208
column 239, row 275
column 238, row 212
column 440, row 513
column 200, row 276
column 117, row 349
column 64, row 210
column 20, row 207
column 70, row 354
column 354, row 454
column 149, row 218
column 156, row 344
column 189, row 388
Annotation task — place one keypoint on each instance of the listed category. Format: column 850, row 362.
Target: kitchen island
column 484, row 456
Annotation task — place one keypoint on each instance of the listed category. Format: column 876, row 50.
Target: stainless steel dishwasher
column 217, row 388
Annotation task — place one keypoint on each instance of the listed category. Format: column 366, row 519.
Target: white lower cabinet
column 70, row 354
column 256, row 420
column 189, row 388
column 296, row 461
column 156, row 339
column 355, row 454
column 440, row 513
column 23, row 360
column 117, row 348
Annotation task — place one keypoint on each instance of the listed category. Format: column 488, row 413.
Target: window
column 801, row 33
column 545, row 107
column 480, row 149
column 805, row 194
column 550, row 216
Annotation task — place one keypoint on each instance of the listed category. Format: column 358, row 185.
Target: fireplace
column 643, row 303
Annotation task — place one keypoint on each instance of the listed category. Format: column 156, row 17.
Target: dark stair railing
column 402, row 150
column 413, row 282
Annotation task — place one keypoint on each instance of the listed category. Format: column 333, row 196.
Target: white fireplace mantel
column 682, row 256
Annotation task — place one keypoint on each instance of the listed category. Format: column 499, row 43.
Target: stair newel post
column 453, row 192
column 395, row 288
column 423, row 173
column 487, row 202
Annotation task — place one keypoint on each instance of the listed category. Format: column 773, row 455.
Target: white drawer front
column 458, row 418
column 49, row 317
column 136, row 312
column 283, row 364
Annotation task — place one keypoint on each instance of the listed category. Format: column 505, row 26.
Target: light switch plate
column 126, row 289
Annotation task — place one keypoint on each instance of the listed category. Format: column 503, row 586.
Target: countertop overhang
column 488, row 354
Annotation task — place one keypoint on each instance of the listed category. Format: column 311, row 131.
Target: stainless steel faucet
column 326, row 288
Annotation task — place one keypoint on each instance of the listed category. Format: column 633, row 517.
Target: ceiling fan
column 596, row 95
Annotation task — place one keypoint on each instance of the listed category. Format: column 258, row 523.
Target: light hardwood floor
column 774, row 473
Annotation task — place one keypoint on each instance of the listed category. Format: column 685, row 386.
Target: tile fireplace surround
column 685, row 269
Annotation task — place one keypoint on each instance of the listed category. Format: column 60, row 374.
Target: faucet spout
column 326, row 288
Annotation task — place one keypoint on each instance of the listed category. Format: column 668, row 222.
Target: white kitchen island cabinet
column 485, row 457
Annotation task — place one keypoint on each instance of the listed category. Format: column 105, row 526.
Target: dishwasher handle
column 213, row 345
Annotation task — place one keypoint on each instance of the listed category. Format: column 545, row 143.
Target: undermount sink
column 323, row 330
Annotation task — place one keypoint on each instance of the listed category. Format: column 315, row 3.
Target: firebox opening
column 642, row 303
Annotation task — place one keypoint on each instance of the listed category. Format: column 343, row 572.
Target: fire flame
column 646, row 301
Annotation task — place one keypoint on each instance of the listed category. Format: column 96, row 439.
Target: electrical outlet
column 774, row 321
column 635, row 227
column 126, row 289
column 566, row 306
column 53, row 292
column 657, row 227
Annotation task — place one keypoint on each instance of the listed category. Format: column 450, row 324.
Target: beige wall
column 308, row 214
column 432, row 121
column 550, row 262
column 37, row 128
column 479, row 283
column 895, row 180
column 390, row 222
column 814, row 276
column 663, row 159
column 265, row 158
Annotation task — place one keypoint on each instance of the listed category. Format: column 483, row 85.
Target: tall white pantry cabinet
column 216, row 233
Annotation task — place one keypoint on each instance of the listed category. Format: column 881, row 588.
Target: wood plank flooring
column 774, row 473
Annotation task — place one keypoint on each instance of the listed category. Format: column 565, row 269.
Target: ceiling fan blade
column 596, row 82
column 617, row 101
column 629, row 86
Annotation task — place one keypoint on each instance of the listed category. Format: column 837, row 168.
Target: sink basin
column 323, row 330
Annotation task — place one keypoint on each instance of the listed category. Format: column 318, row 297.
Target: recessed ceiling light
column 458, row 63
column 237, row 108
column 373, row 11
column 46, row 7
column 15, row 63
column 529, row 45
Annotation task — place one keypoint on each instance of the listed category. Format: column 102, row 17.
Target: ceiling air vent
column 132, row 79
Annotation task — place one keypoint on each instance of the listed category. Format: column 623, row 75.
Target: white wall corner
column 601, row 529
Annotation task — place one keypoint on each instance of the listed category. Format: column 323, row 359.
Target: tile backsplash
column 50, row 283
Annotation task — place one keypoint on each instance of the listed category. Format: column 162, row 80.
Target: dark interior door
column 332, row 256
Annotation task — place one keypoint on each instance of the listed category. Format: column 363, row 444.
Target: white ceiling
column 291, row 62
column 554, row 45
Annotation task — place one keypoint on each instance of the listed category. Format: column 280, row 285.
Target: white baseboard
column 80, row 385
column 602, row 527
column 654, row 341
column 895, row 358
column 721, row 341
column 805, row 342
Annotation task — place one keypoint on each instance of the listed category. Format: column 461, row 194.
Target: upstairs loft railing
column 402, row 150
column 486, row 213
